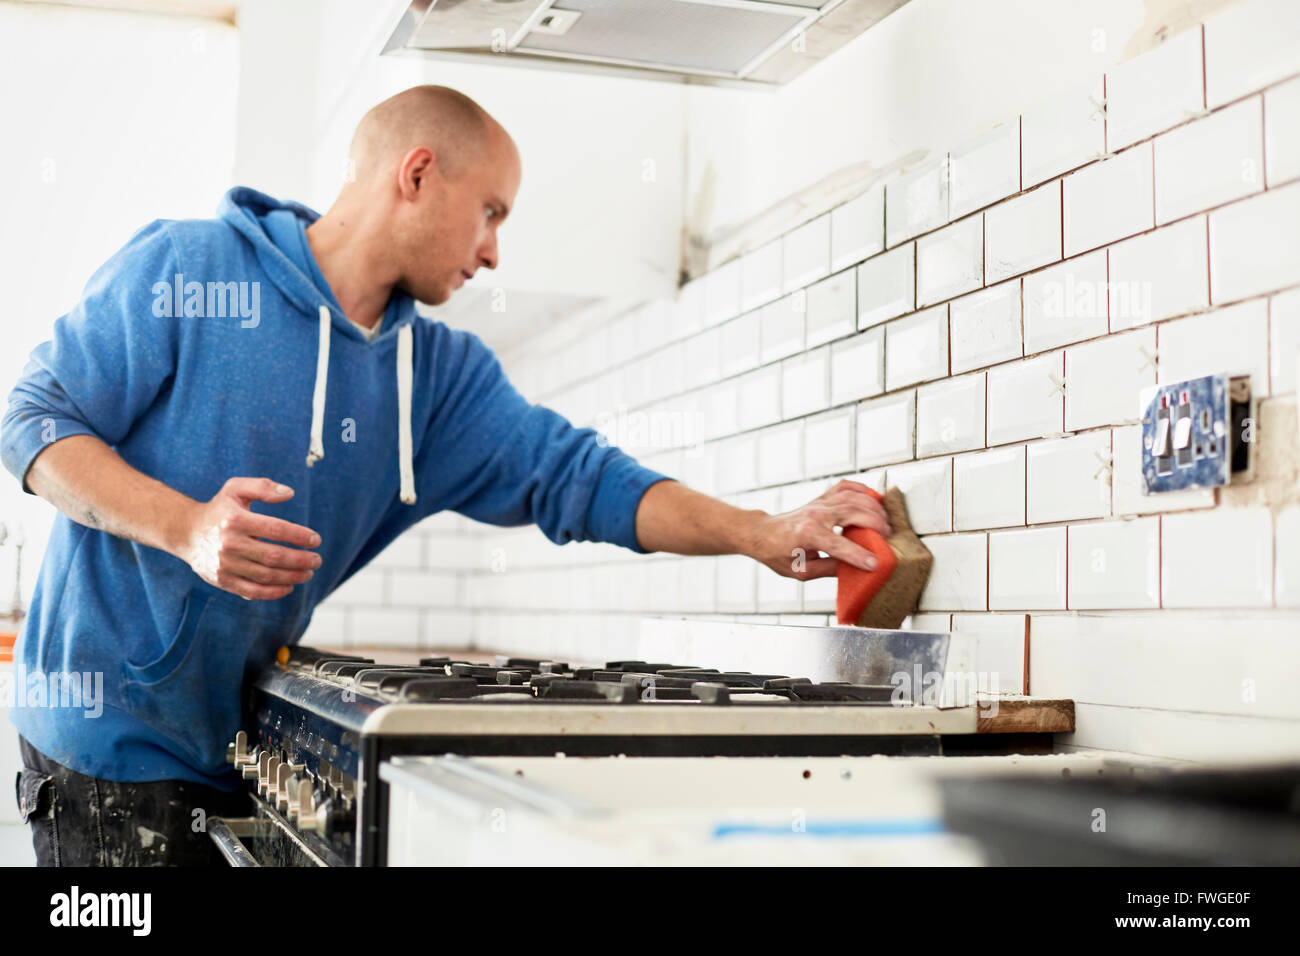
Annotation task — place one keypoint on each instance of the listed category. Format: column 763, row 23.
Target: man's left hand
column 791, row 543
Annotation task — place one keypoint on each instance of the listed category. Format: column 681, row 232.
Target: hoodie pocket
column 192, row 693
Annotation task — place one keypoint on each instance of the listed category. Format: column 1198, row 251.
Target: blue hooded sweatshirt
column 209, row 349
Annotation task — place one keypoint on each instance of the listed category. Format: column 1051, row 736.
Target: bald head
column 457, row 129
column 433, row 177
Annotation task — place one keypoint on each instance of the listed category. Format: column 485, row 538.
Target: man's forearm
column 90, row 483
column 675, row 518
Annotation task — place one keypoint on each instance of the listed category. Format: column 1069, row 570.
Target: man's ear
column 416, row 166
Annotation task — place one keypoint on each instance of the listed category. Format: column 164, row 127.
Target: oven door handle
column 226, row 833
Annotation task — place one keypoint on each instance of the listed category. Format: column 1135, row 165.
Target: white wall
column 112, row 120
column 1169, row 620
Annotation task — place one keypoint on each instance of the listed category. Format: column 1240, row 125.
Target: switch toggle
column 1195, row 434
column 1160, row 448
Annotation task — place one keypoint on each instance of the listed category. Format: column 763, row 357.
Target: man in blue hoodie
column 276, row 343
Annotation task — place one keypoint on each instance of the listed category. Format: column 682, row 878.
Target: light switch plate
column 1196, row 433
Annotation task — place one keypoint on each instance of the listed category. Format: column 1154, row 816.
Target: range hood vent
column 716, row 42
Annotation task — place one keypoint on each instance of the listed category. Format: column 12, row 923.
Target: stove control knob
column 302, row 805
column 237, row 753
column 267, row 780
column 253, row 765
column 281, row 795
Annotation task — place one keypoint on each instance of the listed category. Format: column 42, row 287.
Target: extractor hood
column 714, row 42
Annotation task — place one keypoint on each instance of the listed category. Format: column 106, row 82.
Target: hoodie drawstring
column 404, row 466
column 316, row 445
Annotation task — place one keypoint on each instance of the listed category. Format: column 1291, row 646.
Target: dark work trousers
column 84, row 821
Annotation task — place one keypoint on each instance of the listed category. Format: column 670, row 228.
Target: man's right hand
column 226, row 546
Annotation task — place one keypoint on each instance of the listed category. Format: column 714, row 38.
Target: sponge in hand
column 884, row 597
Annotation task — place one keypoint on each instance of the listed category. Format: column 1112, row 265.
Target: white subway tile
column 1154, row 91
column 1109, row 200
column 722, row 293
column 1284, row 346
column 704, row 358
column 737, row 583
column 385, row 627
column 664, row 371
column 858, row 228
column 780, row 454
column 828, row 442
column 989, row 489
column 805, row 383
column 1255, row 245
column 1127, row 496
column 1027, row 569
column 985, row 170
column 999, row 649
column 405, row 551
column 364, row 587
column 1023, row 233
column 622, row 338
column 1159, row 274
column 781, row 327
column 1025, row 399
column 719, row 411
column 1066, row 303
column 1211, row 161
column 950, row 416
column 328, row 628
column 737, row 463
column 1286, row 561
column 819, row 594
column 985, row 327
column 916, row 348
column 759, row 397
column 807, row 253
column 740, row 344
column 1282, row 132
column 832, row 306
column 958, row 574
column 1220, row 558
column 1249, row 46
column 917, row 202
column 777, row 592
column 1103, row 379
column 858, row 366
column 927, row 623
column 1062, row 133
column 927, row 489
column 872, row 478
column 886, row 286
column 886, row 429
column 1069, row 478
column 696, row 583
column 1232, row 340
column 690, row 309
column 653, row 323
column 800, row 493
column 950, row 261
column 760, row 275
column 423, row 588
column 1114, row 564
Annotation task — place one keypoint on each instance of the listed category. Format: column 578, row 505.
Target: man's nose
column 488, row 253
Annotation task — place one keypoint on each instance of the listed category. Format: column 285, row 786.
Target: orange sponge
column 884, row 597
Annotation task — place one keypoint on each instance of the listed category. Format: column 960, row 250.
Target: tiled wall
column 975, row 332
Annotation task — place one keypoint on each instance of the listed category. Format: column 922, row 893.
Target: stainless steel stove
column 320, row 725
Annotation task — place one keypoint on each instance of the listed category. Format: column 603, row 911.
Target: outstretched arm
column 672, row 517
